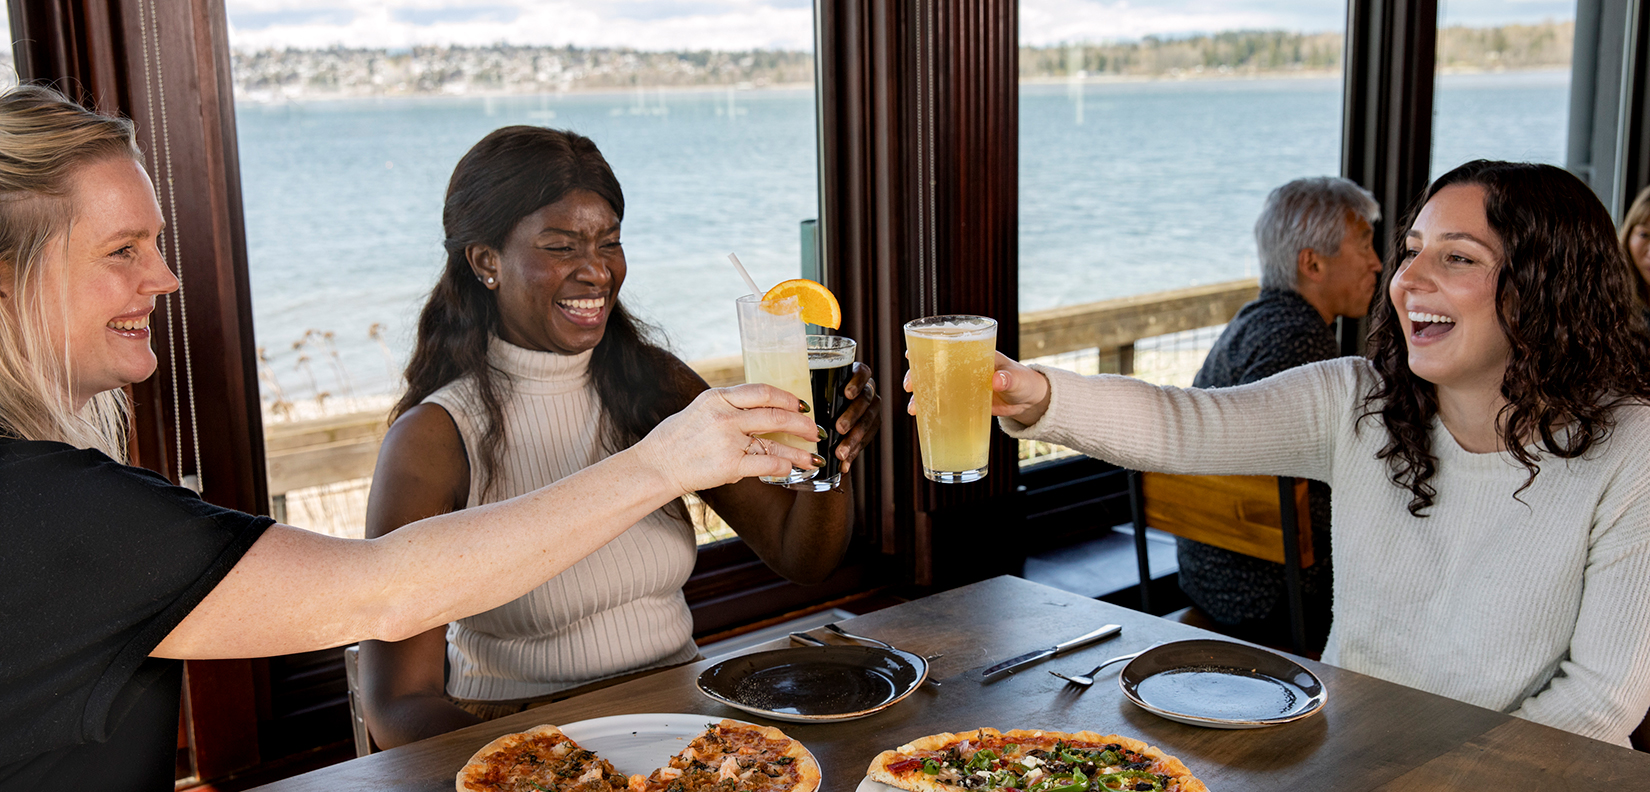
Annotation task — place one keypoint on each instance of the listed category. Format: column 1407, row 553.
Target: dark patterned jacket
column 1278, row 331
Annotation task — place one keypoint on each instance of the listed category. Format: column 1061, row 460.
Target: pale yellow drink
column 783, row 370
column 775, row 344
column 951, row 360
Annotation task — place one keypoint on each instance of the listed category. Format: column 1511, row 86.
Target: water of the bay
column 1125, row 188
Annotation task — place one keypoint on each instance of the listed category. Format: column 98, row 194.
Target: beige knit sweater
column 1538, row 605
column 618, row 610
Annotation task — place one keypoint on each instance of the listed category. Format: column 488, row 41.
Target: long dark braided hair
column 512, row 173
column 1566, row 306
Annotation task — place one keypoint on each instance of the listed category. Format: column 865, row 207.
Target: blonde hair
column 44, row 139
column 1638, row 214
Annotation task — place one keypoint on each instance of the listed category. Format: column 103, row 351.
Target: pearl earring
column 490, row 280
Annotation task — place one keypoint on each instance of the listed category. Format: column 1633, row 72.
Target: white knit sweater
column 619, row 609
column 1537, row 605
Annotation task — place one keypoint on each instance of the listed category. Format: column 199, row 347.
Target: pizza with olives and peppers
column 987, row 760
column 727, row 757
column 735, row 757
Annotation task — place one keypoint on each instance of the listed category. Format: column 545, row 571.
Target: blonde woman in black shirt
column 111, row 574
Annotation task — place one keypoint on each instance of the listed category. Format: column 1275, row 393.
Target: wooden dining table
column 1370, row 734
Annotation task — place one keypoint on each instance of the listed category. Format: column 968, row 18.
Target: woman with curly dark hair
column 527, row 370
column 1490, row 459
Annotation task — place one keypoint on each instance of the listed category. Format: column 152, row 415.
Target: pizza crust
column 477, row 766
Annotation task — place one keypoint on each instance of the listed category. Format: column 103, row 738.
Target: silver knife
column 1032, row 657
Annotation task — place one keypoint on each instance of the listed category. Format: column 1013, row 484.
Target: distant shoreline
column 254, row 97
column 499, row 93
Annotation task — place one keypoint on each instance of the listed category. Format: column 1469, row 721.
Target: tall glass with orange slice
column 775, row 345
column 778, row 353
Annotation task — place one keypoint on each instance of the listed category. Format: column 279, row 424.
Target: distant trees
column 1267, row 51
column 524, row 69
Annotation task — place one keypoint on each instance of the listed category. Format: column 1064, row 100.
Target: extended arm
column 422, row 472
column 1284, row 425
column 296, row 590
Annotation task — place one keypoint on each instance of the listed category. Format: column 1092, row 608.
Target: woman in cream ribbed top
column 1490, row 462
column 528, row 369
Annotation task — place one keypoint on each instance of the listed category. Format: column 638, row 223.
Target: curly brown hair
column 1566, row 305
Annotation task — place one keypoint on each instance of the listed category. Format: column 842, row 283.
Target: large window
column 1149, row 138
column 349, row 130
column 1502, row 88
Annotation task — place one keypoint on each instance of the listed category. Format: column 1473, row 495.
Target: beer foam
column 819, row 359
column 955, row 331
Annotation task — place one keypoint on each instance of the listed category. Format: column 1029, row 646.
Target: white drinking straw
column 744, row 274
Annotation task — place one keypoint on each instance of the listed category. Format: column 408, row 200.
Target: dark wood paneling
column 919, row 119
column 1635, row 122
column 1386, row 134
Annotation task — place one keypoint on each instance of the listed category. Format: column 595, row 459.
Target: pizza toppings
column 540, row 760
column 1031, row 761
column 735, row 757
column 727, row 757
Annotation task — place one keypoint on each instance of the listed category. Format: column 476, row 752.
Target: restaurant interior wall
column 872, row 227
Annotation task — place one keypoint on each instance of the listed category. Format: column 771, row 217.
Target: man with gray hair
column 1317, row 262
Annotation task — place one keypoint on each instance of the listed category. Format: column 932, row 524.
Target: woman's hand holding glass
column 860, row 422
column 711, row 442
column 1018, row 391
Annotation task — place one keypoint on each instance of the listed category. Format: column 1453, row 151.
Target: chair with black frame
column 1250, row 515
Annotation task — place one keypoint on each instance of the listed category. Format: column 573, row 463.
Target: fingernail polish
column 822, row 433
column 805, row 408
column 818, row 460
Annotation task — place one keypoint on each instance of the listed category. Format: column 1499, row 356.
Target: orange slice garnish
column 819, row 305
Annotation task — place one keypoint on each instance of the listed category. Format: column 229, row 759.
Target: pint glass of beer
column 951, row 360
column 830, row 366
column 775, row 345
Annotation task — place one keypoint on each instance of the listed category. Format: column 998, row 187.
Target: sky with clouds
column 769, row 24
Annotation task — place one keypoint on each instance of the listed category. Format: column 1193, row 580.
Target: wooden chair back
column 1264, row 517
column 1242, row 514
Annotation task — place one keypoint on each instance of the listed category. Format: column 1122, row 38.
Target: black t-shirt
column 99, row 561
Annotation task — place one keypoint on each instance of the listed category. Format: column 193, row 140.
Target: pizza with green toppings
column 987, row 760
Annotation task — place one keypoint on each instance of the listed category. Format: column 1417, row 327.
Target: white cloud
column 770, row 24
column 655, row 25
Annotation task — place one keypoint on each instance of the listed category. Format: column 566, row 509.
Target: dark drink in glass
column 830, row 366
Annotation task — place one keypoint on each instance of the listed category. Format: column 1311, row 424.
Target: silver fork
column 844, row 633
column 1084, row 680
column 806, row 638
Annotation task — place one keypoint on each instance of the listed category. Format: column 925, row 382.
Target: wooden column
column 1633, row 172
column 1386, row 136
column 919, row 119
column 165, row 65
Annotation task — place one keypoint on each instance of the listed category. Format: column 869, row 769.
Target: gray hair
column 1306, row 214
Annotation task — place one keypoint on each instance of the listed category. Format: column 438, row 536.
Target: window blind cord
column 161, row 161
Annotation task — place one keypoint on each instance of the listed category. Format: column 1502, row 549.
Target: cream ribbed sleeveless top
column 618, row 610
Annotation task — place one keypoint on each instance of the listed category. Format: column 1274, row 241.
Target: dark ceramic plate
column 1221, row 684
column 815, row 683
